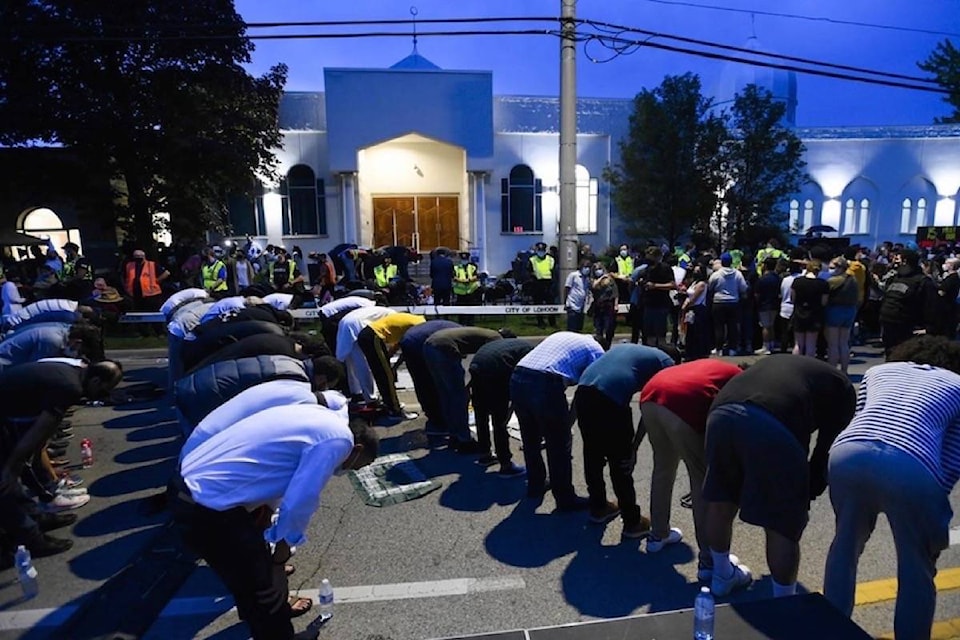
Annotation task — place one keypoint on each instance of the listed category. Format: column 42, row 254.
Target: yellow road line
column 946, row 630
column 884, row 590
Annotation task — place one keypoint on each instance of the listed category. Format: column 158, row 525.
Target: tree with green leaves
column 668, row 177
column 150, row 92
column 763, row 165
column 944, row 64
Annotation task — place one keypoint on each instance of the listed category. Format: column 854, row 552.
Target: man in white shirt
column 333, row 312
column 359, row 376
column 231, row 483
column 12, row 300
column 577, row 296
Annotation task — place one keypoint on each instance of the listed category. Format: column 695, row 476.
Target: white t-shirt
column 233, row 303
column 283, row 454
column 350, row 302
column 577, row 288
column 279, row 301
column 351, row 326
column 12, row 301
column 786, row 296
column 181, row 296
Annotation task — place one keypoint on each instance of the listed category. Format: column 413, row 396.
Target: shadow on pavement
column 528, row 539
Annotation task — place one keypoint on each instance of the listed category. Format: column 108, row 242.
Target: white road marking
column 27, row 619
column 954, row 536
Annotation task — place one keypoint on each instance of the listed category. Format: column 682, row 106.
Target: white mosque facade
column 423, row 157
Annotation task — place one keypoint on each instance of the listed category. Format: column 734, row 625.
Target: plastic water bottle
column 703, row 615
column 86, row 453
column 26, row 573
column 326, row 600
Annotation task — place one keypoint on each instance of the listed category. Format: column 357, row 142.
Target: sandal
column 299, row 606
column 288, row 570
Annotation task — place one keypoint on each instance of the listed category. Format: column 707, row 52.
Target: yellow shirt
column 856, row 269
column 391, row 328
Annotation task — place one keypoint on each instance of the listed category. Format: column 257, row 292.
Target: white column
column 480, row 196
column 348, row 206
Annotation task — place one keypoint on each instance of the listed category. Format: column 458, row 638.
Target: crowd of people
column 240, row 366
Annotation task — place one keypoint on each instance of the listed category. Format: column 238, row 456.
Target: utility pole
column 569, row 242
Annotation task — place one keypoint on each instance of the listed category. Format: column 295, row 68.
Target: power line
column 613, row 41
column 619, row 29
column 628, row 44
column 796, row 16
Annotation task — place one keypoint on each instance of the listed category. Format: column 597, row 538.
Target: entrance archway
column 45, row 223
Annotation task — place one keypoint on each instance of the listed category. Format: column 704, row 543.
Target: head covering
column 465, row 255
column 726, row 259
column 541, row 246
column 109, row 295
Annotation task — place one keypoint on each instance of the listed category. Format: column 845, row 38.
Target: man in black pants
column 490, row 371
column 35, row 396
column 444, row 352
column 228, row 485
column 904, row 300
column 602, row 403
column 411, row 346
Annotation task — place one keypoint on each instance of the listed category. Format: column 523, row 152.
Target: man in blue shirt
column 441, row 277
column 411, row 346
column 603, row 410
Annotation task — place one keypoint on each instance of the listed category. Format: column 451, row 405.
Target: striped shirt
column 563, row 353
column 915, row 408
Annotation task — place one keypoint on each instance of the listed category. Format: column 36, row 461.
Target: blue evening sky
column 529, row 65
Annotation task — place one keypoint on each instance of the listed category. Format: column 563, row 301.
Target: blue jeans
column 871, row 477
column 541, row 407
column 574, row 321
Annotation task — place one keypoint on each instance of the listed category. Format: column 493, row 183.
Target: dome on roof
column 737, row 75
column 417, row 62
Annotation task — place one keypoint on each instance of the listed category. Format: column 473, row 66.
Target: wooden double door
column 421, row 222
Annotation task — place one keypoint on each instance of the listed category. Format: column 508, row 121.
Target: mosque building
column 420, row 156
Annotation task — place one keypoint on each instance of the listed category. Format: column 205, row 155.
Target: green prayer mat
column 392, row 479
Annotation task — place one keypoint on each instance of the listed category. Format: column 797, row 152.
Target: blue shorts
column 840, row 316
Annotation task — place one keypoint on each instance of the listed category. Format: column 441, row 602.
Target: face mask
column 623, row 254
column 598, row 272
column 585, row 271
column 139, row 258
column 541, row 253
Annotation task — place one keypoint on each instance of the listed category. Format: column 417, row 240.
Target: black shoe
column 575, row 503
column 64, row 434
column 48, row 546
column 467, row 447
column 52, row 521
column 56, row 452
column 486, row 460
column 537, row 490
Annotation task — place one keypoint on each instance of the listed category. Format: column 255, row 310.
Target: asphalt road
column 472, row 557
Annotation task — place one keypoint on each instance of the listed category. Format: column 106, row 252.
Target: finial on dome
column 414, row 12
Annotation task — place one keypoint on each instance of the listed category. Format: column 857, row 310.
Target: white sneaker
column 65, row 503
column 72, row 493
column 655, row 545
column 723, row 586
column 705, row 574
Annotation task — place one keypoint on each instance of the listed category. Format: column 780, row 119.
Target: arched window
column 587, row 194
column 807, row 214
column 44, row 223
column 794, row 221
column 521, row 209
column 303, row 203
column 850, row 216
column 921, row 214
column 906, row 215
column 863, row 217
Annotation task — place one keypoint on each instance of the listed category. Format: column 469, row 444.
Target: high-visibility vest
column 149, row 286
column 767, row 252
column 624, row 266
column 209, row 273
column 463, row 282
column 542, row 267
column 291, row 266
column 384, row 276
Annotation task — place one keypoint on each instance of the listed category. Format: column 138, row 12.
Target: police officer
column 624, row 262
column 284, row 273
column 541, row 267
column 466, row 283
column 772, row 250
column 213, row 274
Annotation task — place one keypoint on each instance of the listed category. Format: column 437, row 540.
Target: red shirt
column 689, row 389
